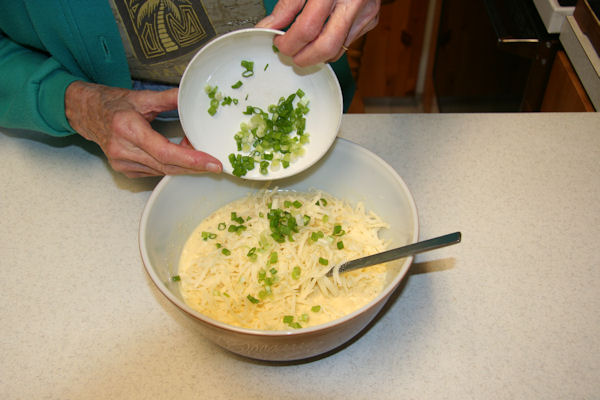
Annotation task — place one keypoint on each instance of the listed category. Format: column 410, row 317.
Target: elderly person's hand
column 119, row 121
column 323, row 28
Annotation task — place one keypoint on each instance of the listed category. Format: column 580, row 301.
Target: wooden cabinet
column 386, row 60
column 564, row 92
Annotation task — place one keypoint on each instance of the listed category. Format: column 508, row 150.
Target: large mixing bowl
column 179, row 203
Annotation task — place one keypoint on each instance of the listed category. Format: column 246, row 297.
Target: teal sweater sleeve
column 44, row 47
column 32, row 90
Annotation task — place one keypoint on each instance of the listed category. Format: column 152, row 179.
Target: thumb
column 283, row 14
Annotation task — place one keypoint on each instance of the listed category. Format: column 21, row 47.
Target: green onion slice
column 273, row 258
column 296, row 271
column 249, row 65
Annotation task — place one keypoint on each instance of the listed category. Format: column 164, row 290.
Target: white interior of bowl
column 218, row 64
column 179, row 203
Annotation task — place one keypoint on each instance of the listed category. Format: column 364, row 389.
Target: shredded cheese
column 249, row 286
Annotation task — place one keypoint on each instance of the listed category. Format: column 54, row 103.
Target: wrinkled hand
column 322, row 28
column 119, row 121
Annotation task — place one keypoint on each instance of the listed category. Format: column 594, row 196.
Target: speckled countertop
column 511, row 312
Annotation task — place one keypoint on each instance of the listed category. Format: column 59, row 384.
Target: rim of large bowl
column 180, row 304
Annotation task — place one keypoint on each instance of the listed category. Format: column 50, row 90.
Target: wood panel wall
column 391, row 53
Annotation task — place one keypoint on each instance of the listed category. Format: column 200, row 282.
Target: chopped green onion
column 275, row 49
column 303, row 318
column 314, row 236
column 236, row 229
column 249, row 65
column 323, row 261
column 300, row 93
column 321, row 202
column 315, row 308
column 338, row 231
column 273, row 257
column 297, row 204
column 252, row 299
column 266, row 66
column 214, row 96
column 282, row 224
column 235, row 218
column 325, row 218
column 227, row 100
column 340, row 245
column 175, row 278
column 241, row 164
column 208, row 235
column 271, row 132
column 222, row 226
column 252, row 254
column 306, row 219
column 263, row 167
column 226, row 252
column 262, row 275
column 289, row 320
column 296, row 272
column 219, row 245
column 287, row 203
column 237, row 85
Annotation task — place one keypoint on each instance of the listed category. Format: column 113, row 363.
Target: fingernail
column 212, row 167
column 265, row 22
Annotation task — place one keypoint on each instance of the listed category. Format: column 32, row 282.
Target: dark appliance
column 492, row 56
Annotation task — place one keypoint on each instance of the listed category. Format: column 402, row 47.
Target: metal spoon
column 400, row 252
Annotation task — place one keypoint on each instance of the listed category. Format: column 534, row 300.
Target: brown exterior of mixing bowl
column 286, row 346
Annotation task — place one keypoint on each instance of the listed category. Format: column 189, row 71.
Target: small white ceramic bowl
column 179, row 203
column 275, row 75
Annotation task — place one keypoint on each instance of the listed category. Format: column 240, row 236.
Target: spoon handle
column 400, row 252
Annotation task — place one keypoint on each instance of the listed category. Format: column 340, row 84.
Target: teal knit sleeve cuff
column 51, row 102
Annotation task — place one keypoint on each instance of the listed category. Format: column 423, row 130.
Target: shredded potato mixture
column 260, row 262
